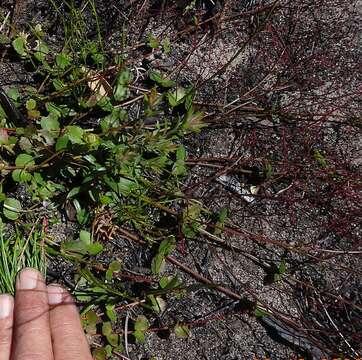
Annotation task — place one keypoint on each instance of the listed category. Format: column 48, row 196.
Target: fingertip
column 6, row 324
column 56, row 294
column 28, row 279
column 31, row 337
column 6, row 306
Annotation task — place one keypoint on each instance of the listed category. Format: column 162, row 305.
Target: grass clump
column 18, row 252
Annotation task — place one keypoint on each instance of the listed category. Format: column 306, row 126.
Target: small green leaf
column 75, row 134
column 38, row 30
column 158, row 304
column 121, row 92
column 282, row 267
column 126, row 186
column 113, row 339
column 92, row 140
column 58, row 84
column 158, row 263
column 24, row 160
column 75, row 191
column 179, row 168
column 125, row 77
column 260, row 312
column 181, row 153
column 167, row 245
column 153, row 42
column 110, row 312
column 62, row 143
column 55, row 110
column 92, row 317
column 140, row 336
column 2, row 113
column 50, row 123
column 170, row 282
column 19, row 45
column 109, row 350
column 176, row 97
column 166, row 45
column 85, row 237
column 192, row 212
column 182, row 331
column 219, row 226
column 13, row 94
column 41, row 49
column 95, row 248
column 62, row 60
column 99, row 354
column 164, row 281
column 107, row 328
column 193, row 121
column 188, row 231
column 30, row 104
column 160, row 80
column 21, row 175
column 12, row 208
column 322, row 162
column 74, row 247
column 113, row 120
column 114, row 266
column 141, row 324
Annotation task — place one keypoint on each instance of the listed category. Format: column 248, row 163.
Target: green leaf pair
column 82, row 247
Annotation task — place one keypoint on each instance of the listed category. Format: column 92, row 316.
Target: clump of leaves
column 81, row 151
column 116, row 163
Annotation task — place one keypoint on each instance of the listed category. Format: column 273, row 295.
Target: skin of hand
column 41, row 323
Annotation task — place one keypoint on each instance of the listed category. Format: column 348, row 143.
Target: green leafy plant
column 99, row 138
column 86, row 156
column 141, row 326
column 165, row 248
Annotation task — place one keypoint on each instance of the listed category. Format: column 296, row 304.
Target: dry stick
column 231, row 294
column 222, row 171
column 4, row 22
column 235, row 17
column 126, row 333
column 242, row 47
column 201, row 278
column 232, row 229
column 218, row 287
column 338, row 331
column 221, row 243
column 186, row 269
column 184, row 62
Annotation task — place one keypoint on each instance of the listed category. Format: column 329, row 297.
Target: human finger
column 67, row 334
column 6, row 325
column 31, row 334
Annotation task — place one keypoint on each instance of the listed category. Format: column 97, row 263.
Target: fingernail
column 28, row 279
column 6, row 306
column 55, row 294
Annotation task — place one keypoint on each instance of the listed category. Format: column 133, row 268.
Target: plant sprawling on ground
column 188, row 129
